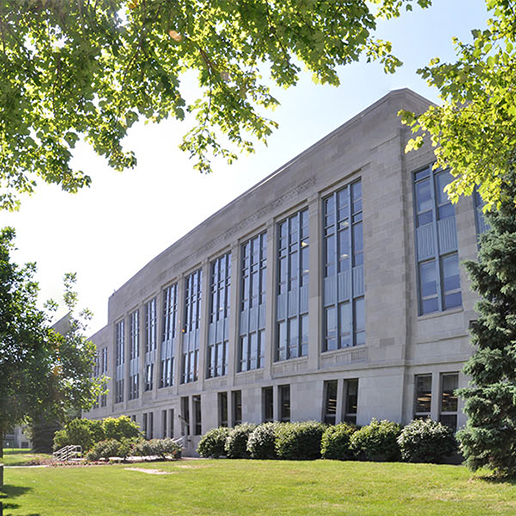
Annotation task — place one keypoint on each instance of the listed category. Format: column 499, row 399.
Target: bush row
column 162, row 448
column 419, row 441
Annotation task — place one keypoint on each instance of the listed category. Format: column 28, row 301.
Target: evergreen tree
column 489, row 438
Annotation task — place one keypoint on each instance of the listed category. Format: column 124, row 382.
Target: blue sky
column 109, row 231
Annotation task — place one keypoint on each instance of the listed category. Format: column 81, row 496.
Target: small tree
column 489, row 438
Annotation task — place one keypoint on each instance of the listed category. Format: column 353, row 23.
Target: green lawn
column 21, row 457
column 216, row 487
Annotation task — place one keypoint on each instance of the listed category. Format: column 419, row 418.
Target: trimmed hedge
column 299, row 441
column 335, row 442
column 426, row 441
column 213, row 442
column 262, row 441
column 236, row 442
column 377, row 441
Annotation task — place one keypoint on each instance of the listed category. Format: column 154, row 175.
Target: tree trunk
column 2, row 435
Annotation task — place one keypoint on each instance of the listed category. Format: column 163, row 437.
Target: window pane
column 331, row 329
column 358, row 245
column 359, row 321
column 423, row 196
column 423, row 394
column 304, row 335
column 428, row 278
column 449, row 398
column 330, row 402
column 451, row 276
column 284, row 392
column 293, row 330
column 282, row 341
column 442, row 180
column 447, row 210
column 345, row 325
column 423, row 173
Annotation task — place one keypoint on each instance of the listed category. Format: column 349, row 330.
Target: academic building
column 332, row 290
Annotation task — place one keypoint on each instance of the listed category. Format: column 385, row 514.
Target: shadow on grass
column 7, row 494
column 497, row 479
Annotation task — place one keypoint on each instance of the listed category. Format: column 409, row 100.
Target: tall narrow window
column 351, row 404
column 120, row 362
column 196, row 403
column 268, row 404
column 145, row 425
column 103, row 372
column 330, row 402
column 134, row 356
column 151, row 426
column 151, row 322
column 343, row 272
column 164, row 424
column 236, row 402
column 185, row 416
column 284, row 401
column 223, row 408
column 218, row 331
column 191, row 328
column 436, row 237
column 171, row 423
column 292, row 287
column 168, row 344
column 449, row 401
column 96, row 374
column 423, row 398
column 252, row 309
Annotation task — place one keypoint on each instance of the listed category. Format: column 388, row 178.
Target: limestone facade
column 314, row 362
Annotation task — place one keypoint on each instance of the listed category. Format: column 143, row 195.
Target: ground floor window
column 330, row 402
column 185, row 416
column 148, row 425
column 284, row 401
column 267, row 404
column 351, row 405
column 223, row 408
column 236, row 402
column 449, row 401
column 423, row 396
column 196, row 404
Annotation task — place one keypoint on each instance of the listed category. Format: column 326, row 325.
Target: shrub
column 165, row 448
column 262, row 441
column 426, row 441
column 299, row 440
column 213, row 442
column 377, row 441
column 335, row 442
column 82, row 432
column 143, row 448
column 162, row 448
column 120, row 427
column 236, row 442
column 110, row 448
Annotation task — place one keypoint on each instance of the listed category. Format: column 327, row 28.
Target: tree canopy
column 474, row 129
column 75, row 69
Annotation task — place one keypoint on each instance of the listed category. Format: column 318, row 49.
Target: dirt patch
column 150, row 471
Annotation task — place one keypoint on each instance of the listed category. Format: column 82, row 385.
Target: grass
column 227, row 487
column 22, row 457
